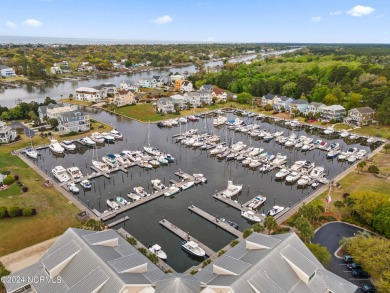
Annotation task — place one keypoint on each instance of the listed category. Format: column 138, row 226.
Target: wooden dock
column 110, row 225
column 228, row 201
column 185, row 236
column 215, row 221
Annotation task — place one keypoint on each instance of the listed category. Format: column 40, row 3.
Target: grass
column 341, row 126
column 374, row 130
column 76, row 102
column 54, row 213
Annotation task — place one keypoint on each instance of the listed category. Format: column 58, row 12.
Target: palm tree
column 361, row 165
column 270, row 223
column 258, row 228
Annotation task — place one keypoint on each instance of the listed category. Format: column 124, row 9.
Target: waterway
column 143, row 222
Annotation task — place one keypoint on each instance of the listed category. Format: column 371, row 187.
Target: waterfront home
column 147, row 83
column 219, row 94
column 7, row 71
column 86, row 67
column 268, row 99
column 74, row 121
column 106, row 89
column 129, row 86
column 193, row 98
column 159, row 80
column 333, row 112
column 298, row 105
column 180, row 101
column 54, row 111
column 175, row 77
column 165, row 105
column 88, row 261
column 205, row 97
column 186, row 86
column 123, row 97
column 281, row 103
column 206, row 87
column 360, row 116
column 7, row 134
column 314, row 108
column 55, row 70
column 88, row 94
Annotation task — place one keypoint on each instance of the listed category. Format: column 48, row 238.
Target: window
column 312, row 276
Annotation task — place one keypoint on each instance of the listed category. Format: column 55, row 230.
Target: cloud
column 316, row 18
column 32, row 22
column 338, row 12
column 10, row 24
column 163, row 19
column 360, row 10
column 210, row 39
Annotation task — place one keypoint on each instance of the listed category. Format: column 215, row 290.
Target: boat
column 254, row 152
column 332, row 154
column 344, row 134
column 122, row 158
column 317, row 172
column 140, row 191
column 146, row 165
column 31, row 152
column 133, row 197
column 162, row 160
column 230, row 223
column 156, row 249
column 154, row 163
column 116, row 134
column 100, row 166
column 328, row 130
column 55, row 147
column 275, row 210
column 370, row 140
column 74, row 172
column 87, row 141
column 231, row 189
column 265, row 167
column 73, row 188
column 308, row 140
column 110, row 160
column 352, row 158
column 279, row 159
column 200, row 177
column 171, row 190
column 86, row 184
column 108, row 138
column 169, row 158
column 293, row 176
column 224, row 154
column 353, row 136
column 278, row 133
column 256, row 202
column 220, row 120
column 187, row 185
column 282, row 173
column 157, row 184
column 334, row 146
column 307, row 167
column 315, row 184
column 304, row 180
column 121, row 200
column 351, row 151
column 238, row 146
column 97, row 137
column 360, row 154
column 152, row 151
column 290, row 142
column 183, row 120
column 60, row 174
column 250, row 216
column 68, row 145
column 254, row 163
column 193, row 248
column 218, row 149
column 306, row 147
column 231, row 156
column 112, row 204
column 298, row 165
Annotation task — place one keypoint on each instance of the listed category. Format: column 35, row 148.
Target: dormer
column 103, row 238
column 133, row 263
column 260, row 241
column 227, row 265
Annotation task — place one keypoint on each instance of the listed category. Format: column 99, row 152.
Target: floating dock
column 215, row 221
column 110, row 225
column 185, row 236
column 228, row 201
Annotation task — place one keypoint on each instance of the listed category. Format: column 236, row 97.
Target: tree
column 381, row 220
column 361, row 165
column 3, row 272
column 53, row 122
column 268, row 107
column 270, row 224
column 258, row 228
column 305, row 229
column 339, row 204
column 383, row 113
column 320, row 252
column 152, row 257
column 367, row 203
column 8, row 180
column 247, row 232
column 373, row 169
column 244, row 98
column 94, row 225
column 330, row 99
column 48, row 101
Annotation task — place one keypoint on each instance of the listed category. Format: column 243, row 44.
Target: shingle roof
column 178, row 283
column 299, row 102
column 334, row 107
column 269, row 96
column 316, row 105
column 364, row 110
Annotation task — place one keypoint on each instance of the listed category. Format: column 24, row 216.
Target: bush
column 26, row 212
column 5, row 172
column 143, row 250
column 234, row 242
column 206, row 262
column 8, row 180
column 132, row 240
column 3, row 272
column 194, row 271
column 16, row 177
column 327, row 218
column 247, row 232
column 13, row 211
column 221, row 252
column 24, row 188
column 3, row 212
column 152, row 257
column 373, row 169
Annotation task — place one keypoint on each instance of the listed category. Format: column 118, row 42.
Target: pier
column 228, row 201
column 185, row 236
column 214, row 220
column 117, row 222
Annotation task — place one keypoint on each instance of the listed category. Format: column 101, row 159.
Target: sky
column 293, row 21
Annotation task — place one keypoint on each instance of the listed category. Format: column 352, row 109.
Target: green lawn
column 76, row 102
column 143, row 112
column 55, row 213
column 375, row 130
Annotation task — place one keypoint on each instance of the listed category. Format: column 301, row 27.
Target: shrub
column 373, row 169
column 194, row 271
column 206, row 262
column 143, row 250
column 13, row 211
column 5, row 172
column 247, row 232
column 3, row 272
column 24, row 188
column 327, row 218
column 9, row 180
column 26, row 212
column 234, row 242
column 16, row 177
column 221, row 252
column 152, row 257
column 132, row 240
column 3, row 211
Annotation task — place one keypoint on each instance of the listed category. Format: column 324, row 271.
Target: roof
column 177, row 283
column 186, row 82
column 364, row 110
column 4, row 67
column 284, row 98
column 316, row 105
column 269, row 96
column 86, row 89
column 207, row 87
column 334, row 107
column 218, row 91
column 164, row 100
column 299, row 102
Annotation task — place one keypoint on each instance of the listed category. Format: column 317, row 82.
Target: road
column 29, row 132
column 329, row 236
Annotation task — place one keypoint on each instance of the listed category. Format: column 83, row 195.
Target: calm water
column 143, row 222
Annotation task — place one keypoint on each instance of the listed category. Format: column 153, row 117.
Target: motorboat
column 279, row 159
column 254, row 164
column 73, row 188
column 328, row 130
column 189, row 142
column 154, row 163
column 121, row 200
column 133, row 197
column 265, row 167
column 74, row 172
column 171, row 190
column 275, row 210
column 146, row 165
column 110, row 160
column 108, row 138
column 308, row 140
column 332, row 154
column 352, row 159
column 353, row 137
column 298, row 143
column 220, row 120
column 315, row 184
column 140, row 191
column 187, row 185
column 334, row 146
column 246, row 161
column 152, row 151
column 282, row 173
column 344, row 134
column 55, row 147
column 254, row 152
column 198, row 143
column 31, row 152
column 116, row 134
column 238, row 146
column 60, row 174
column 162, row 160
column 241, row 157
column 278, row 133
column 231, row 189
column 317, row 172
column 100, row 166
column 293, row 176
column 263, row 153
column 256, row 202
column 231, row 156
column 307, row 167
column 87, row 141
column 68, row 145
column 169, row 158
column 290, row 142
column 230, row 223
column 156, row 249
column 360, row 154
column 122, row 158
column 97, row 137
column 342, row 156
column 218, row 149
column 306, row 147
column 351, row 151
column 193, row 248
column 304, row 180
column 183, row 120
column 224, row 154
column 297, row 165
column 200, row 177
column 86, row 184
column 370, row 140
column 250, row 216
column 112, row 204
column 157, row 184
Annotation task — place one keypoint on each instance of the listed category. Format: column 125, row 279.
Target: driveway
column 329, row 236
column 29, row 132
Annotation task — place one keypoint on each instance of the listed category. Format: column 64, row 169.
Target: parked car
column 360, row 274
column 353, row 266
column 348, row 259
column 368, row 288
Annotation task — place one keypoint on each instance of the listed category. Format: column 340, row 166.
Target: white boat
column 157, row 184
column 308, row 140
column 74, row 172
column 86, row 184
column 254, row 163
column 275, row 210
column 154, row 163
column 87, row 141
column 342, row 156
column 183, row 120
column 328, row 130
column 370, row 140
column 73, row 188
column 97, row 137
column 187, row 185
column 231, row 189
column 110, row 160
column 156, row 249
column 146, row 165
column 220, row 120
column 162, row 160
column 31, row 152
column 133, row 197
column 112, row 204
column 68, row 145
column 351, row 151
column 353, row 136
column 193, row 248
column 279, row 159
column 293, row 176
column 317, row 172
column 238, row 146
column 121, row 200
column 116, row 134
column 100, row 166
column 307, row 167
column 334, row 146
column 360, row 154
column 265, row 167
column 282, row 173
column 278, row 133
column 256, row 202
column 122, row 158
column 304, row 180
column 290, row 142
column 297, row 165
column 255, row 152
column 152, row 151
column 140, row 191
column 169, row 158
column 332, row 154
column 250, row 215
column 352, row 158
column 171, row 190
column 55, row 147
column 108, row 138
column 306, row 147
column 60, row 174
column 344, row 134
column 218, row 149
column 200, row 177
column 246, row 161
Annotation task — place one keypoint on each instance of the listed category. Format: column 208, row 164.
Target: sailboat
column 151, row 150
column 99, row 165
column 31, row 151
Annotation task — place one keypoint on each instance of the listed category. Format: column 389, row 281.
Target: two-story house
column 219, row 94
column 268, row 99
column 74, row 121
column 298, row 105
column 106, row 90
column 333, row 112
column 147, row 83
column 281, row 103
column 314, row 108
column 180, row 101
column 55, row 70
column 175, row 77
column 7, row 134
column 193, row 98
column 123, row 97
column 206, row 87
column 54, row 111
column 7, row 71
column 187, row 86
column 159, row 80
column 205, row 97
column 360, row 116
column 129, row 86
column 88, row 94
column 165, row 105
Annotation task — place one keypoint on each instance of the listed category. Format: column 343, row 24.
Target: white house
column 333, row 112
column 129, row 86
column 159, row 80
column 314, row 108
column 88, row 94
column 186, row 86
column 7, row 71
column 180, row 101
column 193, row 98
column 206, row 87
column 281, row 102
column 165, row 105
column 74, row 121
column 147, row 83
column 219, row 94
column 55, row 70
column 54, row 110
column 106, row 89
column 268, row 99
column 205, row 97
column 7, row 134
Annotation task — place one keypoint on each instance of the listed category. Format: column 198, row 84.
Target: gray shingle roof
column 232, row 265
column 264, row 240
column 316, row 105
column 269, row 96
column 54, row 259
column 299, row 260
column 299, row 102
column 128, row 262
column 177, row 283
column 262, row 283
column 364, row 110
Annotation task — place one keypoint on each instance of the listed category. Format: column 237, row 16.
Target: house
column 74, row 121
column 360, row 116
column 206, row 87
column 180, row 101
column 193, row 98
column 55, row 70
column 54, row 110
column 129, row 86
column 88, row 261
column 298, row 105
column 88, row 94
column 205, row 97
column 147, row 83
column 106, row 89
column 281, row 103
column 165, row 105
column 333, row 112
column 219, row 94
column 314, row 108
column 7, row 134
column 86, row 67
column 159, row 80
column 123, row 97
column 186, row 86
column 268, row 99
column 7, row 71
column 175, row 77
column 277, row 263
